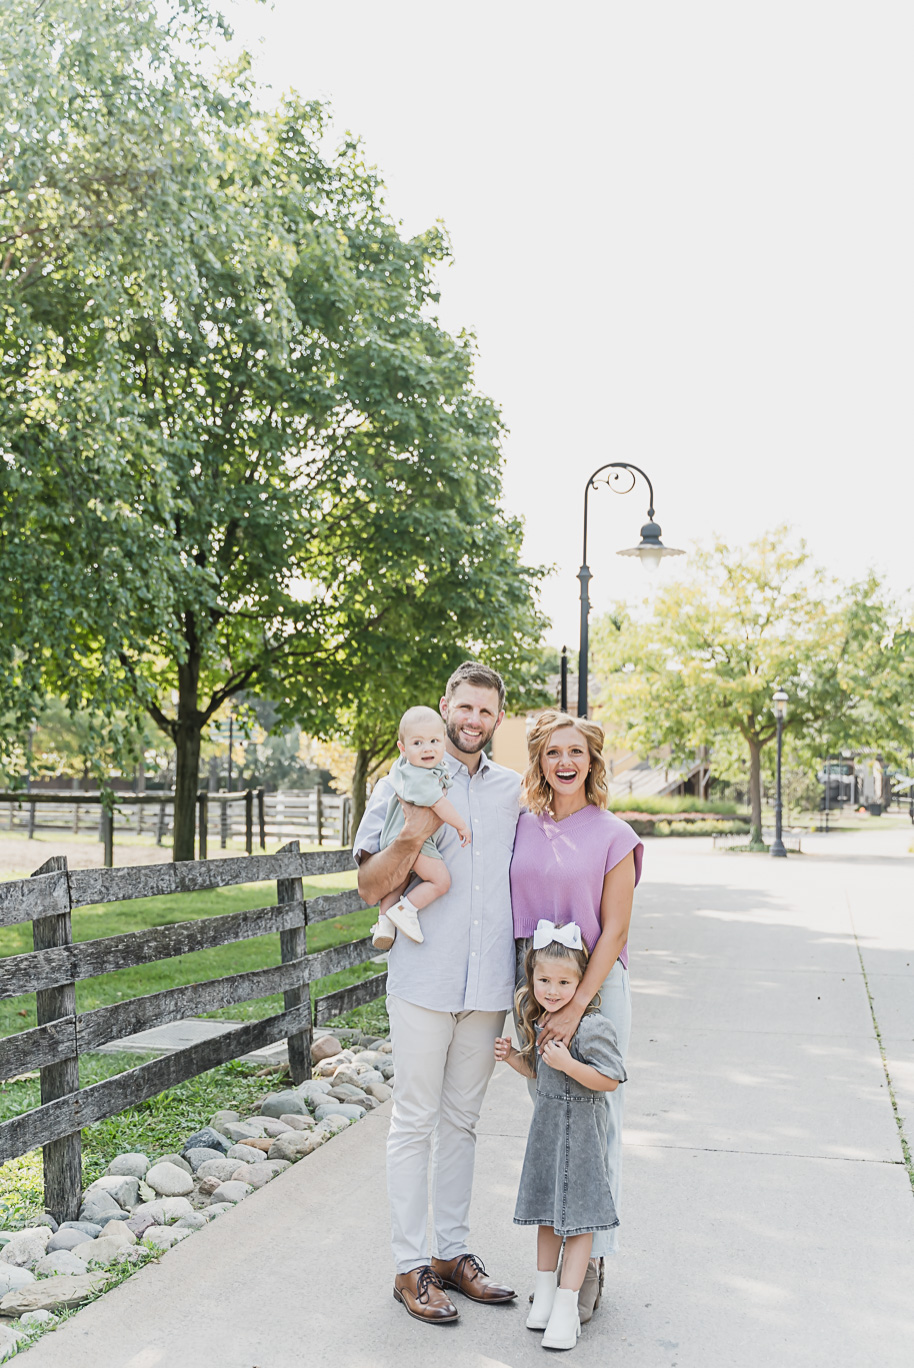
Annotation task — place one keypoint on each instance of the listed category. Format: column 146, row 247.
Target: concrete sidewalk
column 767, row 1215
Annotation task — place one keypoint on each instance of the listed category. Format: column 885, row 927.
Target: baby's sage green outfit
column 413, row 784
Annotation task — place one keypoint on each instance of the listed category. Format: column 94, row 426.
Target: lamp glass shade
column 650, row 557
column 780, row 704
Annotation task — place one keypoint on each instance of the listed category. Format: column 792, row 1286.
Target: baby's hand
column 465, row 834
column 503, row 1047
column 557, row 1055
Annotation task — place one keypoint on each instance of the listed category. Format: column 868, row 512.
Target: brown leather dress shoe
column 466, row 1274
column 422, row 1293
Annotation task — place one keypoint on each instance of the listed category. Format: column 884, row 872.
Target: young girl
column 564, row 1187
column 420, row 775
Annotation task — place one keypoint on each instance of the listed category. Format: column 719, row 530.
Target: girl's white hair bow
column 546, row 932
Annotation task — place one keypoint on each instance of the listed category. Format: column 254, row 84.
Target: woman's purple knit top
column 558, row 868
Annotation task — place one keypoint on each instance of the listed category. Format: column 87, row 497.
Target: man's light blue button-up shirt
column 466, row 962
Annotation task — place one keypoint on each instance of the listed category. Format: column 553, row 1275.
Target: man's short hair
column 474, row 672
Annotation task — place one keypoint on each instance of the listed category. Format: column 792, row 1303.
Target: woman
column 575, row 861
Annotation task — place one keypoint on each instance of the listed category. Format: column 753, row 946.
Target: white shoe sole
column 412, row 931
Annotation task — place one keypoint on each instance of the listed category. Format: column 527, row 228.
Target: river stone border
column 143, row 1206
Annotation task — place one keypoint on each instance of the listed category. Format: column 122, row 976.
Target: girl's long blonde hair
column 527, row 1010
column 536, row 794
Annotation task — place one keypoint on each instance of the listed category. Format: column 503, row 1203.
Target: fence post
column 63, row 1157
column 160, row 824
column 344, row 820
column 249, row 821
column 293, row 945
column 262, row 818
column 108, row 837
column 320, row 817
column 31, row 820
column 223, row 825
column 202, row 819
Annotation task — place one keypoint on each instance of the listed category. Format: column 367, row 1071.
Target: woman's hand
column 560, row 1025
column 556, row 1054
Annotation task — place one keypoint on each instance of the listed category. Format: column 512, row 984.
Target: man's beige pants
column 444, row 1061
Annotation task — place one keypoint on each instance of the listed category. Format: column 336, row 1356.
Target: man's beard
column 453, row 735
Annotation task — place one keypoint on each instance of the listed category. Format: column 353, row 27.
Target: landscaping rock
column 292, row 1147
column 196, row 1157
column 5, row 1237
column 368, row 1103
column 64, row 1261
column 26, row 1247
column 12, row 1278
column 52, row 1294
column 195, row 1221
column 120, row 1233
column 325, row 1048
column 140, row 1224
column 218, row 1209
column 207, row 1138
column 207, row 1186
column 232, row 1192
column 340, row 1109
column 45, row 1219
column 128, row 1166
column 345, row 1077
column 386, row 1047
column 283, row 1104
column 272, row 1127
column 124, row 1189
column 347, row 1092
column 10, row 1340
column 332, row 1125
column 68, row 1239
column 371, row 1057
column 217, row 1168
column 165, row 1211
column 169, row 1181
column 246, row 1154
column 177, row 1160
column 163, row 1237
column 100, row 1251
column 89, row 1228
column 381, row 1092
column 35, row 1318
column 255, row 1175
column 221, row 1117
column 387, row 1072
column 298, row 1123
column 98, row 1207
column 239, row 1131
column 314, row 1089
column 370, row 1076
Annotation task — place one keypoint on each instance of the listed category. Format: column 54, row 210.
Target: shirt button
column 474, row 954
column 476, row 922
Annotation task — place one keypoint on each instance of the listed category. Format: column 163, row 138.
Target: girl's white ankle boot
column 543, row 1297
column 564, row 1323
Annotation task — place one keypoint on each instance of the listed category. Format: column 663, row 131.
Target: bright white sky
column 684, row 236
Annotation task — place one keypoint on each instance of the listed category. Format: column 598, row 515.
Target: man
column 447, row 1000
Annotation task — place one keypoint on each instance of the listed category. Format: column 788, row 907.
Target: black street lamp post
column 780, row 712
column 650, row 551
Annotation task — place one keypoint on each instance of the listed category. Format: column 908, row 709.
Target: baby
column 418, row 776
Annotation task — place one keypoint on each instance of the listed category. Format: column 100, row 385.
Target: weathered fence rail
column 54, row 967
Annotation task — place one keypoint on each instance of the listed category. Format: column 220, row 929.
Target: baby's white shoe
column 543, row 1297
column 564, row 1324
column 383, row 933
column 406, row 919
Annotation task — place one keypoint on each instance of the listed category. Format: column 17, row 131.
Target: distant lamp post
column 911, row 787
column 780, row 712
column 650, row 551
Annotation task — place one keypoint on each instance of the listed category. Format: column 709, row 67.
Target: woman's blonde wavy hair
column 526, row 1008
column 536, row 794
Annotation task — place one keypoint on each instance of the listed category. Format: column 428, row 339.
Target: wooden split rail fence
column 52, row 970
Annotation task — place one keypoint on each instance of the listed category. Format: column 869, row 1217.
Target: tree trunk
column 359, row 787
column 187, row 748
column 755, row 792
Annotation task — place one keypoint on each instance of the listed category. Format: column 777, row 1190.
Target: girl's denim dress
column 564, row 1183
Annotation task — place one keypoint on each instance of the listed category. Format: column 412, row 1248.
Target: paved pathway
column 768, row 1218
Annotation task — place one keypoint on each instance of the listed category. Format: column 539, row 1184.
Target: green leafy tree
column 290, row 451
column 701, row 668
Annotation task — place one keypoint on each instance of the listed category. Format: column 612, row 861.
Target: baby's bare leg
column 435, row 881
column 393, row 897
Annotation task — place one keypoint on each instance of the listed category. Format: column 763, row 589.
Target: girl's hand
column 560, row 1025
column 556, row 1054
column 503, row 1048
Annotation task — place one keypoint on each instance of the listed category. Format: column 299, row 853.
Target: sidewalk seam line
column 905, row 1147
